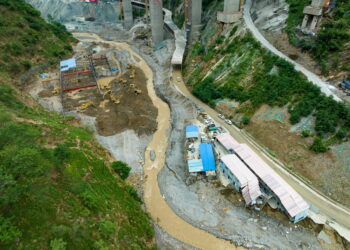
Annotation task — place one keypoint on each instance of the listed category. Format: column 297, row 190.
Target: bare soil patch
column 134, row 111
column 294, row 151
column 281, row 42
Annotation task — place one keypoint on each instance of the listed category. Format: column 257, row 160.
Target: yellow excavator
column 106, row 93
column 132, row 75
column 115, row 99
column 56, row 91
column 86, row 105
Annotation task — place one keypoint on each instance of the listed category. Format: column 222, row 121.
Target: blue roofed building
column 195, row 166
column 68, row 64
column 207, row 156
column 192, row 132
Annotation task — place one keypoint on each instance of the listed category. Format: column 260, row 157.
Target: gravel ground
column 201, row 203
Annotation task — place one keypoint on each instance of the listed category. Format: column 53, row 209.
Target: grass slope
column 27, row 40
column 253, row 76
column 57, row 188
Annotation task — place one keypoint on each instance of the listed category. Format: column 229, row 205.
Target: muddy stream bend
column 156, row 206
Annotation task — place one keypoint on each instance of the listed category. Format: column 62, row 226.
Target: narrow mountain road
column 332, row 210
column 256, row 33
column 156, row 206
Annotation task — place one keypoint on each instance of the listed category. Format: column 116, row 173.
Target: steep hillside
column 266, row 96
column 59, row 189
column 331, row 46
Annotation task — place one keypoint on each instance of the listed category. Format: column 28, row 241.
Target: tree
column 121, row 168
column 318, row 146
column 8, row 231
column 58, row 244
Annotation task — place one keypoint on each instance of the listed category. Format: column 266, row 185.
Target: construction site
column 96, row 84
column 124, row 82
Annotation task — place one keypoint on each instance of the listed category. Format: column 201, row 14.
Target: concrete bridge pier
column 195, row 19
column 128, row 16
column 157, row 21
column 232, row 11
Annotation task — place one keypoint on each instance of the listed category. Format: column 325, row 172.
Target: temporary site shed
column 195, row 166
column 241, row 177
column 207, row 156
column 68, row 64
column 295, row 206
column 192, row 131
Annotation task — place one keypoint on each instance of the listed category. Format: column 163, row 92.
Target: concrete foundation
column 232, row 11
column 157, row 21
column 128, row 16
column 313, row 14
column 196, row 18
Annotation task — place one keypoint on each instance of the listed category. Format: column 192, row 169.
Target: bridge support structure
column 128, row 15
column 232, row 11
column 157, row 21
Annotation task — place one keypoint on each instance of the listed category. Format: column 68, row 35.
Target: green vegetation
column 27, row 40
column 63, row 194
column 331, row 39
column 121, row 168
column 318, row 146
column 57, row 188
column 274, row 82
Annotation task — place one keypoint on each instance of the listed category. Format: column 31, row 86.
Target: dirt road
column 327, row 207
column 159, row 210
column 256, row 33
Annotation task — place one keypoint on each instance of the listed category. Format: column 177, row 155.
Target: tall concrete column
column 157, row 21
column 232, row 6
column 128, row 16
column 196, row 18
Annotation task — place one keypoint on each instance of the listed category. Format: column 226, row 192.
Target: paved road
column 331, row 209
column 256, row 33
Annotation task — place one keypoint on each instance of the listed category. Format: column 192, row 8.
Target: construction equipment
column 138, row 91
column 107, row 93
column 132, row 75
column 86, row 105
column 56, row 91
column 115, row 99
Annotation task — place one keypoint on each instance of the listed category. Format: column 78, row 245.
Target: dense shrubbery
column 121, row 168
column 332, row 37
column 20, row 38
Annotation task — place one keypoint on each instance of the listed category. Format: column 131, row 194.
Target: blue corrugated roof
column 192, row 128
column 207, row 156
column 195, row 166
column 68, row 64
column 192, row 131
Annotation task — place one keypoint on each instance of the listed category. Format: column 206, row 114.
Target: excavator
column 86, row 105
column 115, row 99
column 137, row 91
column 56, row 91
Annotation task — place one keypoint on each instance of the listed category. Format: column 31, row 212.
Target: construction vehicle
column 86, row 105
column 137, row 91
column 56, row 91
column 115, row 100
column 106, row 93
column 132, row 75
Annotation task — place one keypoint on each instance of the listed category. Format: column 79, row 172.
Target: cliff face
column 270, row 15
column 67, row 10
